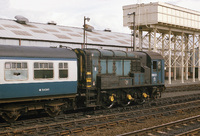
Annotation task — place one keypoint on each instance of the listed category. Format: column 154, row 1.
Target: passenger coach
column 30, row 74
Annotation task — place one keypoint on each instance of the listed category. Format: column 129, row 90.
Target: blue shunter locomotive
column 60, row 79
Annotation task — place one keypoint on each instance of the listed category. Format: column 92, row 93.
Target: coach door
column 156, row 73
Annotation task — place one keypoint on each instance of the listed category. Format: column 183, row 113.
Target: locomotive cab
column 107, row 76
column 156, row 62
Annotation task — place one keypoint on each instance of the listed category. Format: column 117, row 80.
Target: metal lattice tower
column 172, row 31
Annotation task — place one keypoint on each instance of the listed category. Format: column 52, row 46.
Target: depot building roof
column 13, row 29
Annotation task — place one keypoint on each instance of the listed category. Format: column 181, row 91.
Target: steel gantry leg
column 140, row 40
column 163, row 44
column 186, row 57
column 193, row 58
column 155, row 40
column 170, row 54
column 182, row 58
column 175, row 57
column 199, row 58
column 149, row 40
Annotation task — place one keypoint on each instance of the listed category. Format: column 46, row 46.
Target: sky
column 103, row 14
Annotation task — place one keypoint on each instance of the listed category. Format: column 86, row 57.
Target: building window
column 16, row 71
column 43, row 70
column 63, row 70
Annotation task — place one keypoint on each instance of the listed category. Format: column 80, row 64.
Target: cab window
column 127, row 65
column 119, row 67
column 159, row 65
column 154, row 65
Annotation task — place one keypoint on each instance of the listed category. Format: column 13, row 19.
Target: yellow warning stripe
column 88, row 86
column 88, row 73
column 88, row 80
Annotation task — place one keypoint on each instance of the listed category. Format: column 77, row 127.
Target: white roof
column 10, row 29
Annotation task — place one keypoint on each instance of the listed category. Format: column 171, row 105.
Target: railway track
column 77, row 123
column 194, row 132
column 188, row 126
column 178, row 88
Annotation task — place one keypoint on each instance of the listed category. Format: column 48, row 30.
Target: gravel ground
column 140, row 125
column 172, row 90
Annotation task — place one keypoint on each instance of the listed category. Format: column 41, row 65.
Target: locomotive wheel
column 143, row 96
column 108, row 101
column 156, row 93
column 52, row 111
column 10, row 116
column 127, row 100
column 125, row 103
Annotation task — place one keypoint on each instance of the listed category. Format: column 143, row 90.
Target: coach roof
column 35, row 52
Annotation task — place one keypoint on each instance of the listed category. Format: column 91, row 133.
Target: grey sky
column 103, row 13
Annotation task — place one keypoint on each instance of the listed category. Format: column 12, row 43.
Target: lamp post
column 88, row 19
column 134, row 30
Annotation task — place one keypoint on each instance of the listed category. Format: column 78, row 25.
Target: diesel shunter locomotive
column 61, row 79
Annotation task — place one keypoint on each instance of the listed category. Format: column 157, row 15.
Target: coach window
column 16, row 71
column 63, row 70
column 43, row 70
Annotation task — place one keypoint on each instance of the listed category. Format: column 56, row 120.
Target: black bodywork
column 117, row 73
